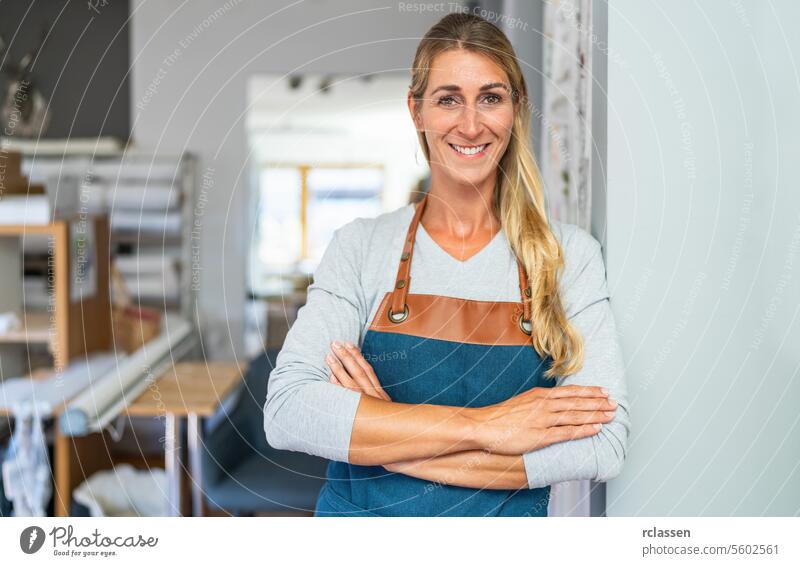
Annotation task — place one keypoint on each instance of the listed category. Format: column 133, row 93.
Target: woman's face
column 467, row 114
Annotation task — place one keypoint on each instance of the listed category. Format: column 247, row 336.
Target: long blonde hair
column 518, row 195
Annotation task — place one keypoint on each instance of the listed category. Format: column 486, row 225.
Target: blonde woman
column 457, row 356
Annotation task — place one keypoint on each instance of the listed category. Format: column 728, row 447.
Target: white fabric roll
column 154, row 196
column 93, row 409
column 147, row 222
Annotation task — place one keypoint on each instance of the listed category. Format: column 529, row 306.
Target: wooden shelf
column 146, row 238
column 20, row 229
column 71, row 329
column 52, row 228
column 37, row 327
column 131, row 168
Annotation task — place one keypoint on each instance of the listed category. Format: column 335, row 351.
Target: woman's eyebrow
column 487, row 86
column 490, row 86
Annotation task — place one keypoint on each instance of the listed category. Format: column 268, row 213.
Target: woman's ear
column 413, row 110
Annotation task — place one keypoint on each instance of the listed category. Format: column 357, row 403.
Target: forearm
column 385, row 432
column 475, row 469
column 597, row 458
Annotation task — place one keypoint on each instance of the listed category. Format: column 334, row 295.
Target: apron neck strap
column 398, row 311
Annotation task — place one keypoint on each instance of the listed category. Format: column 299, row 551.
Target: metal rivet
column 402, row 316
column 401, row 283
column 404, row 257
column 528, row 292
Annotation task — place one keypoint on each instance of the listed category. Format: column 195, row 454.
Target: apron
column 444, row 351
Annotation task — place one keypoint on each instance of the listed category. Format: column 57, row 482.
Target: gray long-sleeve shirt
column 305, row 412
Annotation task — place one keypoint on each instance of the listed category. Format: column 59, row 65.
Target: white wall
column 703, row 236
column 190, row 65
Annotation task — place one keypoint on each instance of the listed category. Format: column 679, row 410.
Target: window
column 300, row 206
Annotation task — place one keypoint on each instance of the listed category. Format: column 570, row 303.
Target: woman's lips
column 469, row 151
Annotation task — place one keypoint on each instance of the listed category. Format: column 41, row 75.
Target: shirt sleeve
column 599, row 457
column 304, row 412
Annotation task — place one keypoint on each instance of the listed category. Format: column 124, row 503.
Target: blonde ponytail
column 519, row 194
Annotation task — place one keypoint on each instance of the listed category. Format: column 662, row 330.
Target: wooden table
column 188, row 391
column 191, row 391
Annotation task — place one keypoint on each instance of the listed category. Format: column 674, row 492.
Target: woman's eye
column 454, row 101
column 447, row 101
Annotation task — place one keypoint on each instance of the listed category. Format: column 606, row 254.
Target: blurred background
column 171, row 173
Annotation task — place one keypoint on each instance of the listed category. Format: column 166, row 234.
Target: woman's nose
column 470, row 124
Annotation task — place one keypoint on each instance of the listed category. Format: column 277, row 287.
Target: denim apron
column 443, row 351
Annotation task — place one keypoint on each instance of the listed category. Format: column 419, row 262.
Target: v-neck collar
column 429, row 239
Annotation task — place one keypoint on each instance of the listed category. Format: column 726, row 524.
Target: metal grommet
column 405, row 256
column 528, row 292
column 401, row 283
column 401, row 317
column 525, row 325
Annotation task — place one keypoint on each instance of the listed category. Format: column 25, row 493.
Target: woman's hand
column 542, row 416
column 349, row 369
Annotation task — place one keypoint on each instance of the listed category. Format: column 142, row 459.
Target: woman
column 468, row 380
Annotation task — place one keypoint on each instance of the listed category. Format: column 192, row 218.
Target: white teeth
column 468, row 150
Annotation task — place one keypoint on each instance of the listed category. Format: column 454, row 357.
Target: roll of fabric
column 147, row 222
column 96, row 407
column 153, row 196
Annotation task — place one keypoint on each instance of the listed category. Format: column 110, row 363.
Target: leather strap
column 524, row 291
column 403, row 280
column 398, row 310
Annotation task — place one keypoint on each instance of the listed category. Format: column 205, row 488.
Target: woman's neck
column 461, row 211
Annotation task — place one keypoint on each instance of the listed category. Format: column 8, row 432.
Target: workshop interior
column 172, row 174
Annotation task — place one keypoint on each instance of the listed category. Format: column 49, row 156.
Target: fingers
column 367, row 368
column 349, row 359
column 581, row 404
column 350, row 369
column 538, row 394
column 572, row 391
column 339, row 373
column 579, row 417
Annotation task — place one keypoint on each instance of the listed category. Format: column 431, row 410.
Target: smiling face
column 467, row 113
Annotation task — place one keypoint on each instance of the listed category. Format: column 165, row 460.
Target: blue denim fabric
column 417, row 370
